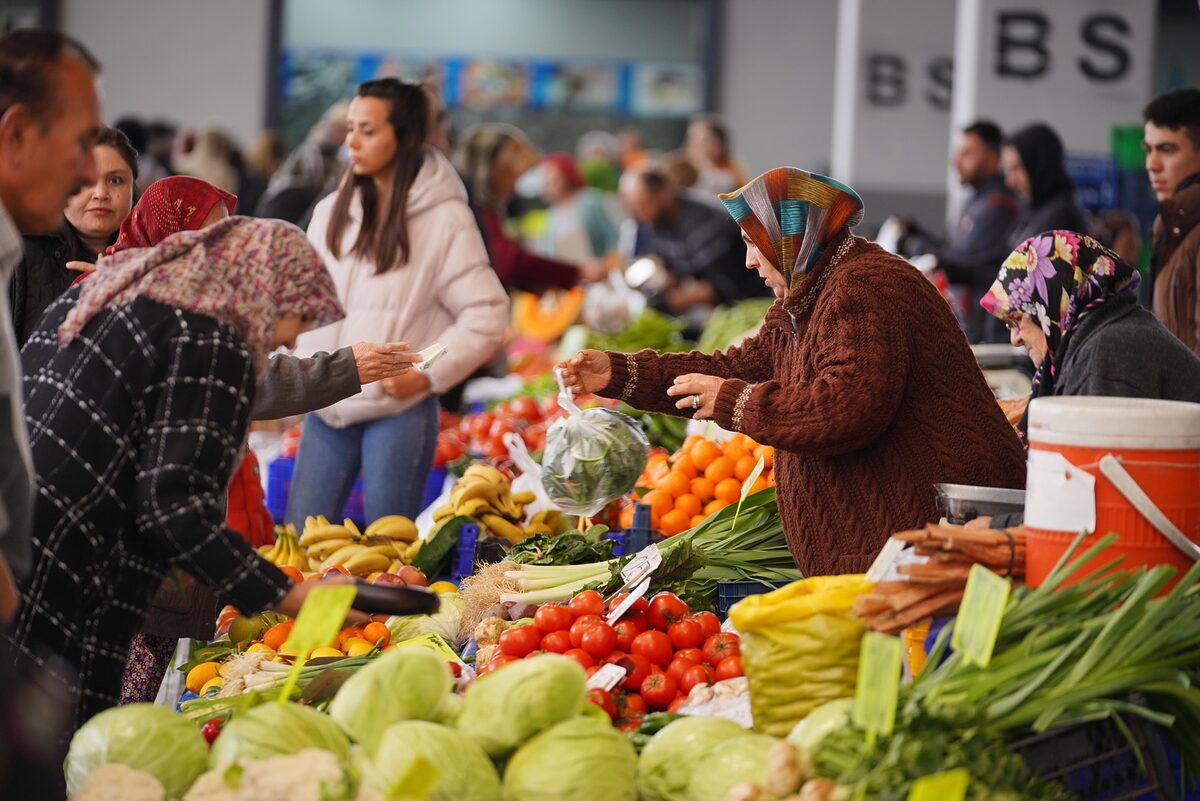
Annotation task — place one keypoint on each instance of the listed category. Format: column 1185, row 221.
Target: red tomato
column 631, row 705
column 211, row 730
column 679, row 701
column 615, row 657
column 693, row 655
column 629, row 724
column 557, row 642
column 592, row 671
column 598, row 640
column 580, row 625
column 588, row 602
column 729, row 668
column 665, row 609
column 455, row 668
column 685, row 634
column 658, row 691
column 710, row 624
column 638, row 619
column 640, row 605
column 720, row 646
column 553, row 617
column 696, row 674
column 480, row 425
column 582, row 657
column 637, row 668
column 655, row 646
column 604, row 700
column 525, row 408
column 626, row 630
column 499, row 661
column 678, row 667
column 520, row 641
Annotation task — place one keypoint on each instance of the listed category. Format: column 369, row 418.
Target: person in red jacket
column 860, row 378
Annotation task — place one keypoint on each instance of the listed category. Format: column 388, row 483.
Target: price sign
column 317, row 625
column 878, row 684
column 948, row 786
column 979, row 616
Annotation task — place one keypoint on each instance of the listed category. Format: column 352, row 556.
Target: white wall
column 195, row 62
column 776, row 81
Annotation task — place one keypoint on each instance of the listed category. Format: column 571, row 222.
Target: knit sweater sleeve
column 861, row 368
column 291, row 385
column 641, row 379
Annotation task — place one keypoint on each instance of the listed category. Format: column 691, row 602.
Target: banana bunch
column 551, row 522
column 389, row 544
column 485, row 494
column 286, row 550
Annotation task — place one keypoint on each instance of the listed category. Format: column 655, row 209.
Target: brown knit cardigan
column 864, row 384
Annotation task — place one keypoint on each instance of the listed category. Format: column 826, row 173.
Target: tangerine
column 768, row 455
column 673, row 522
column 689, row 504
column 704, row 453
column 703, row 489
column 659, row 502
column 735, row 452
column 744, row 467
column 713, row 507
column 375, row 631
column 760, row 484
column 626, row 518
column 719, row 469
column 729, row 490
column 685, row 465
column 277, row 635
column 675, row 484
column 697, row 520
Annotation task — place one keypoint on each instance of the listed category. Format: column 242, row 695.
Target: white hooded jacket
column 446, row 292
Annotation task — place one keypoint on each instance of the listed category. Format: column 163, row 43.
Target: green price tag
column 318, row 623
column 746, row 485
column 948, row 786
column 878, row 684
column 979, row 615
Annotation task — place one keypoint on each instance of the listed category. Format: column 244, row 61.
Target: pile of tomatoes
column 664, row 649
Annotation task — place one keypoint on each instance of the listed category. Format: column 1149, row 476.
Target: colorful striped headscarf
column 1058, row 278
column 790, row 214
column 244, row 272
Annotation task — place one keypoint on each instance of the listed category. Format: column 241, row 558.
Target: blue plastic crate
column 464, row 552
column 279, row 485
column 433, row 486
column 618, row 541
column 730, row 592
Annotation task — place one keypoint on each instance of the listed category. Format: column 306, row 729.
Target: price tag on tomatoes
column 319, row 621
column 979, row 616
column 878, row 684
column 948, row 786
column 608, row 677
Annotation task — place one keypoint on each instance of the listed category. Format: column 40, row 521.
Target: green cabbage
column 451, row 710
column 402, row 684
column 447, row 623
column 582, row 758
column 270, row 730
column 730, row 763
column 809, row 733
column 149, row 738
column 671, row 756
column 505, row 708
column 464, row 771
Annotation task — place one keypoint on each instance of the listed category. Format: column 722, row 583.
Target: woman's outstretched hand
column 587, row 371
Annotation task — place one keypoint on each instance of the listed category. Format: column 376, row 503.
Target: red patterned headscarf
column 168, row 206
column 244, row 272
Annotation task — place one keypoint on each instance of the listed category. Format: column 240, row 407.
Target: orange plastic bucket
column 1158, row 443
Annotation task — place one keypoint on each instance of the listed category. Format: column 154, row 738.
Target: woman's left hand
column 406, row 385
column 696, row 392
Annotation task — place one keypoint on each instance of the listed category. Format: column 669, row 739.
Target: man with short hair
column 698, row 243
column 1172, row 146
column 49, row 116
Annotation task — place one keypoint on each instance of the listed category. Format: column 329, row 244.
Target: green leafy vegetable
column 671, row 757
column 729, row 763
column 729, row 323
column 580, row 758
column 446, row 623
column 278, row 730
column 464, row 772
column 568, row 548
column 653, row 330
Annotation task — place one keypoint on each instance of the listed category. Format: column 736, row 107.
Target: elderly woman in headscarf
column 492, row 157
column 139, row 385
column 860, row 378
column 1035, row 169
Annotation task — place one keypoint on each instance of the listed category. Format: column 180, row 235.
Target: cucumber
column 434, row 557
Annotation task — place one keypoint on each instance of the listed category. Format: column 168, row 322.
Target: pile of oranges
column 699, row 480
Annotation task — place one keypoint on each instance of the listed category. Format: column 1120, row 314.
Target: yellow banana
column 477, row 507
column 322, row 520
column 413, row 550
column 501, row 527
column 263, row 550
column 524, row 498
column 352, row 527
column 488, row 473
column 314, row 563
column 310, row 522
column 366, row 561
column 395, row 566
column 443, row 512
column 323, row 549
column 395, row 527
column 389, row 548
column 340, row 556
column 312, row 536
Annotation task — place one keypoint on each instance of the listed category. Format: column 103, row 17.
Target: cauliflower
column 311, row 775
column 116, row 782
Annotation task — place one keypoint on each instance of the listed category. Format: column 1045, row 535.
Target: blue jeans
column 394, row 455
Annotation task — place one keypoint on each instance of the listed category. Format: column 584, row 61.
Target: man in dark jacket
column 1172, row 146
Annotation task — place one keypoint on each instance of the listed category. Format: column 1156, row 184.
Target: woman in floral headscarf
column 139, row 386
column 860, row 379
column 1072, row 303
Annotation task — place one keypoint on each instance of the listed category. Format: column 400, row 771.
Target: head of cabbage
column 579, row 758
column 730, row 763
column 503, row 709
column 149, row 738
column 402, row 684
column 810, row 731
column 446, row 623
column 273, row 729
column 461, row 769
column 672, row 755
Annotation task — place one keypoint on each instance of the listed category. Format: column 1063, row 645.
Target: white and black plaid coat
column 135, row 429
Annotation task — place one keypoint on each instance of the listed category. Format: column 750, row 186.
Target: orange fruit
column 697, row 520
column 675, row 484
column 673, row 522
column 376, row 631
column 277, row 635
column 349, row 633
column 704, row 453
column 292, row 573
column 735, row 451
column 760, row 484
column 689, row 504
column 659, row 502
column 714, row 507
column 685, row 465
column 703, row 489
column 744, row 467
column 719, row 469
column 767, row 453
column 729, row 490
column 626, row 518
column 688, row 443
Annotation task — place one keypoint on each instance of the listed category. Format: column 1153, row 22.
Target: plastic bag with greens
column 591, row 457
